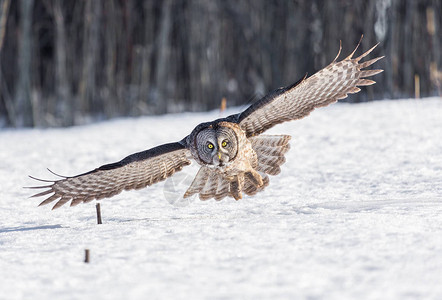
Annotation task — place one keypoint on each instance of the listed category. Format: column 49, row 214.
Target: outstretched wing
column 296, row 101
column 133, row 172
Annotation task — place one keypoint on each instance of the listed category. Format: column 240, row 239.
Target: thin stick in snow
column 97, row 206
column 86, row 256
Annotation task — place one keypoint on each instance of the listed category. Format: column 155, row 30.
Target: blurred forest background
column 67, row 62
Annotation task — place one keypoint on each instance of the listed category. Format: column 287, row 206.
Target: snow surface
column 355, row 213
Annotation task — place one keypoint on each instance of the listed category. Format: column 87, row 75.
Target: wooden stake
column 86, row 256
column 97, row 206
column 417, row 87
column 223, row 105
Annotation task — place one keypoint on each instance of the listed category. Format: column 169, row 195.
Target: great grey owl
column 235, row 157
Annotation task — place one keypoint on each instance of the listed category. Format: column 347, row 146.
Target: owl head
column 215, row 143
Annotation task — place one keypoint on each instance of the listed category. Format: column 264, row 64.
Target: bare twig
column 98, row 207
column 86, row 256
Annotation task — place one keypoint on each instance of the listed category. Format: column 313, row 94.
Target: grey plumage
column 234, row 157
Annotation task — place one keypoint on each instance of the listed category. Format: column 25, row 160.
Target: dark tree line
column 67, row 62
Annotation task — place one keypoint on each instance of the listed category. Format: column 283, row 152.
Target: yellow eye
column 210, row 145
column 224, row 143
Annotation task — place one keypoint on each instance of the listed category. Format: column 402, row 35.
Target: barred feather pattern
column 110, row 180
column 213, row 183
column 208, row 183
column 257, row 156
column 328, row 85
column 270, row 150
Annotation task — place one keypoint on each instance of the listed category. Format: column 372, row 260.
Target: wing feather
column 198, row 182
column 296, row 101
column 270, row 150
column 133, row 172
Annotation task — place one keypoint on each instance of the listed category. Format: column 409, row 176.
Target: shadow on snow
column 20, row 228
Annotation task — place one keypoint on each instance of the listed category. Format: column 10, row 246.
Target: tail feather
column 210, row 187
column 222, row 190
column 209, row 183
column 198, row 182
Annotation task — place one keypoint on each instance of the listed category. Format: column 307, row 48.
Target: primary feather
column 134, row 172
column 296, row 101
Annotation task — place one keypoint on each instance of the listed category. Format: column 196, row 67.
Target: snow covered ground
column 355, row 214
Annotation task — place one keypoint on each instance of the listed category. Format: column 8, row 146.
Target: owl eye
column 210, row 145
column 224, row 143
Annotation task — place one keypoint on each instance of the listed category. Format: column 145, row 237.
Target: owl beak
column 220, row 160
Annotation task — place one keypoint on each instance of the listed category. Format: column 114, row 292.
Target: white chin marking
column 223, row 166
